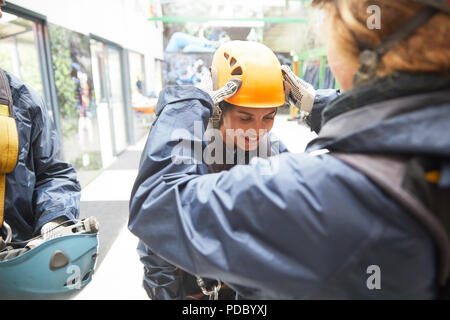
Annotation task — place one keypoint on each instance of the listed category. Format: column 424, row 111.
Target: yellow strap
column 433, row 176
column 2, row 196
column 4, row 110
column 9, row 151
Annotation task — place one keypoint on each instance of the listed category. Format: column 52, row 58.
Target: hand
column 48, row 232
column 50, row 229
column 298, row 92
column 228, row 90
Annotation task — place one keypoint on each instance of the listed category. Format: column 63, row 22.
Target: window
column 76, row 101
column 19, row 54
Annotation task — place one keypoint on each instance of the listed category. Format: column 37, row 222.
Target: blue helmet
column 56, row 267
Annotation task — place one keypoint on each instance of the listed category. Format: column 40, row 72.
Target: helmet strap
column 216, row 116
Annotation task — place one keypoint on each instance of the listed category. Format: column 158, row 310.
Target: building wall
column 99, row 89
column 124, row 22
column 121, row 21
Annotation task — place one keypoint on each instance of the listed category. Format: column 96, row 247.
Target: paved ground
column 294, row 135
column 119, row 272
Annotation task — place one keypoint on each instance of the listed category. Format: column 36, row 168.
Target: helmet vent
column 86, row 276
column 232, row 62
column 237, row 72
column 73, row 282
column 226, row 55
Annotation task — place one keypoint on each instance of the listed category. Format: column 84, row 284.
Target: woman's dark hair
column 226, row 106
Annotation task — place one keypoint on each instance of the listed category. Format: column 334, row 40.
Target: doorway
column 107, row 74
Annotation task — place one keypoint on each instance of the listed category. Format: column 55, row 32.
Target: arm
column 282, row 147
column 321, row 100
column 243, row 226
column 161, row 280
column 57, row 190
column 302, row 95
column 277, row 146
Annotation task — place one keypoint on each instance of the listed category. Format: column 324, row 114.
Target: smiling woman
column 245, row 119
column 238, row 131
column 254, row 124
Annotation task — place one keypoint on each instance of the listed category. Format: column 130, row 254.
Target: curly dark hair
column 225, row 106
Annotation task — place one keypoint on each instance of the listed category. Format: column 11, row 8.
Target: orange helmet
column 259, row 69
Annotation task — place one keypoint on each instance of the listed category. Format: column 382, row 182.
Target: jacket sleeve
column 161, row 280
column 277, row 146
column 257, row 227
column 57, row 190
column 282, row 147
column 321, row 100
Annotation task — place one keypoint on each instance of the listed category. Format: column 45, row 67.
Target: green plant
column 65, row 86
column 95, row 161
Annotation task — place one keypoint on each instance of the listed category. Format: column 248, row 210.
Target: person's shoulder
column 319, row 172
column 323, row 175
column 338, row 191
column 322, row 170
column 176, row 94
column 24, row 96
column 344, row 188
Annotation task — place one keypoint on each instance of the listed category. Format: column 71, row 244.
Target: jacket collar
column 381, row 89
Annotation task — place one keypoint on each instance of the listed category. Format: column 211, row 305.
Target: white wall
column 121, row 21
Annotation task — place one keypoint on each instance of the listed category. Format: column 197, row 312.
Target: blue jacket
column 41, row 188
column 294, row 226
column 164, row 281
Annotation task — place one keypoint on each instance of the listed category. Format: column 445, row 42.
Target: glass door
column 116, row 98
column 104, row 113
column 107, row 70
column 143, row 105
column 19, row 53
column 77, row 104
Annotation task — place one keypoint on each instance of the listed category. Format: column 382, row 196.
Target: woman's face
column 244, row 127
